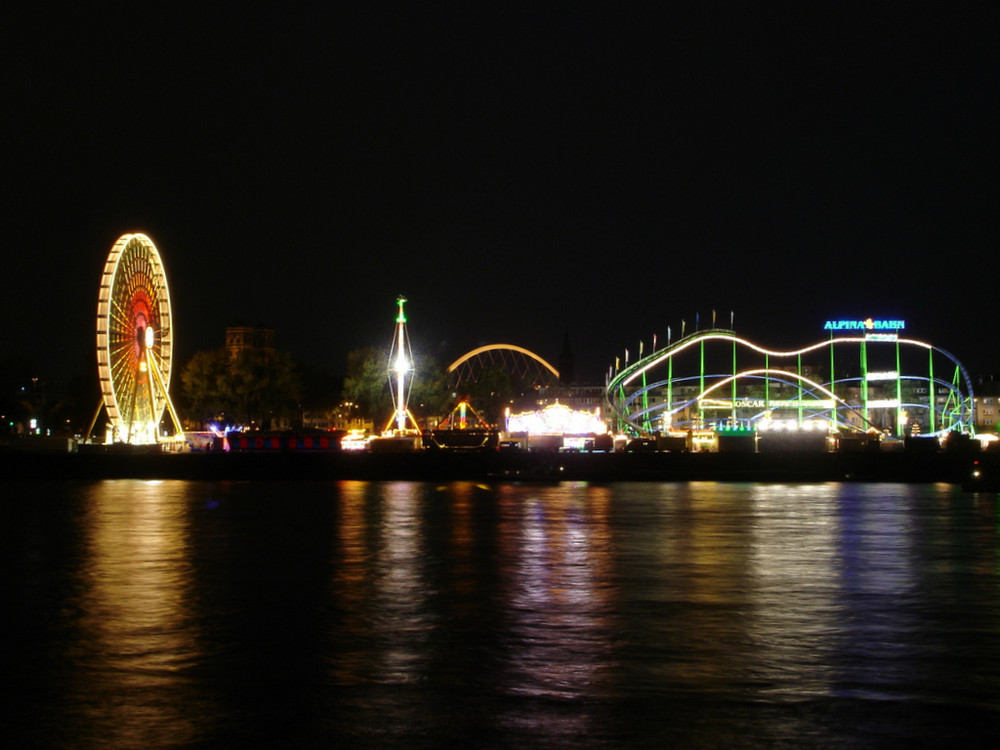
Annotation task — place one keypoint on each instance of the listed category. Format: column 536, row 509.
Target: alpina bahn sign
column 864, row 325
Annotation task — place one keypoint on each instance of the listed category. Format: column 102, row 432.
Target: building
column 249, row 338
column 986, row 406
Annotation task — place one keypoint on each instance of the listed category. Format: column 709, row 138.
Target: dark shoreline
column 899, row 466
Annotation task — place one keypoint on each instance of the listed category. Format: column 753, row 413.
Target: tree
column 265, row 387
column 430, row 394
column 205, row 385
column 321, row 389
column 252, row 388
column 491, row 393
column 366, row 384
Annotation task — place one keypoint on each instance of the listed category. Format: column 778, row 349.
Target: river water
column 153, row 614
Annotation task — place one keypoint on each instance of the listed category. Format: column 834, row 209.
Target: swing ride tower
column 401, row 432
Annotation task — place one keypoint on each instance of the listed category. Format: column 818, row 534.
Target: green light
column 735, row 430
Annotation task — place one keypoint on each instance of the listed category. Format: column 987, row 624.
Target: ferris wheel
column 134, row 341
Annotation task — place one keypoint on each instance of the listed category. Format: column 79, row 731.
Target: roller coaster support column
column 833, row 382
column 621, row 400
column 899, row 395
column 670, row 391
column 864, row 380
column 767, row 383
column 701, row 387
column 645, row 398
column 734, row 381
column 799, row 369
column 932, row 387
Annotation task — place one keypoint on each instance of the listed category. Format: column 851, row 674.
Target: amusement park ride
column 401, row 432
column 867, row 378
column 134, row 344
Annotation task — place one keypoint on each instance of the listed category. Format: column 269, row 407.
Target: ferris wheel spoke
column 119, row 359
column 119, row 321
column 121, row 344
column 119, row 318
column 120, row 375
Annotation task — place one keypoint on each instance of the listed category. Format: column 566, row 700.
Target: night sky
column 519, row 174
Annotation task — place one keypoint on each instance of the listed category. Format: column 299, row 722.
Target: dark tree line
column 250, row 388
column 264, row 389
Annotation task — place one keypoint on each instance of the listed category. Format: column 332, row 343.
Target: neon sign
column 881, row 337
column 759, row 403
column 887, row 375
column 869, row 324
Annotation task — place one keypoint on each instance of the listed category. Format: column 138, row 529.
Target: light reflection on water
column 401, row 619
column 137, row 633
column 159, row 614
column 556, row 598
column 793, row 592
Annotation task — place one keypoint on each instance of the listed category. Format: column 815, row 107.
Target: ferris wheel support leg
column 131, row 411
column 152, row 406
column 90, row 429
column 166, row 397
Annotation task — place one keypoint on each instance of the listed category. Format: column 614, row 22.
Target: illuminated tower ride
column 400, row 380
column 134, row 342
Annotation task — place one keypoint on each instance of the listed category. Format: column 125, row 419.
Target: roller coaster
column 866, row 378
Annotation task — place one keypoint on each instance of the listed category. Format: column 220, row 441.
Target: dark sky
column 519, row 174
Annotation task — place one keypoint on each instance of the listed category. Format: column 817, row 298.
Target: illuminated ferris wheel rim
column 134, row 347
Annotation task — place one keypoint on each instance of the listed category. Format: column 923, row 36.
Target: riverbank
column 899, row 466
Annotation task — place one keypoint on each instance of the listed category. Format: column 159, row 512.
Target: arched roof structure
column 517, row 361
